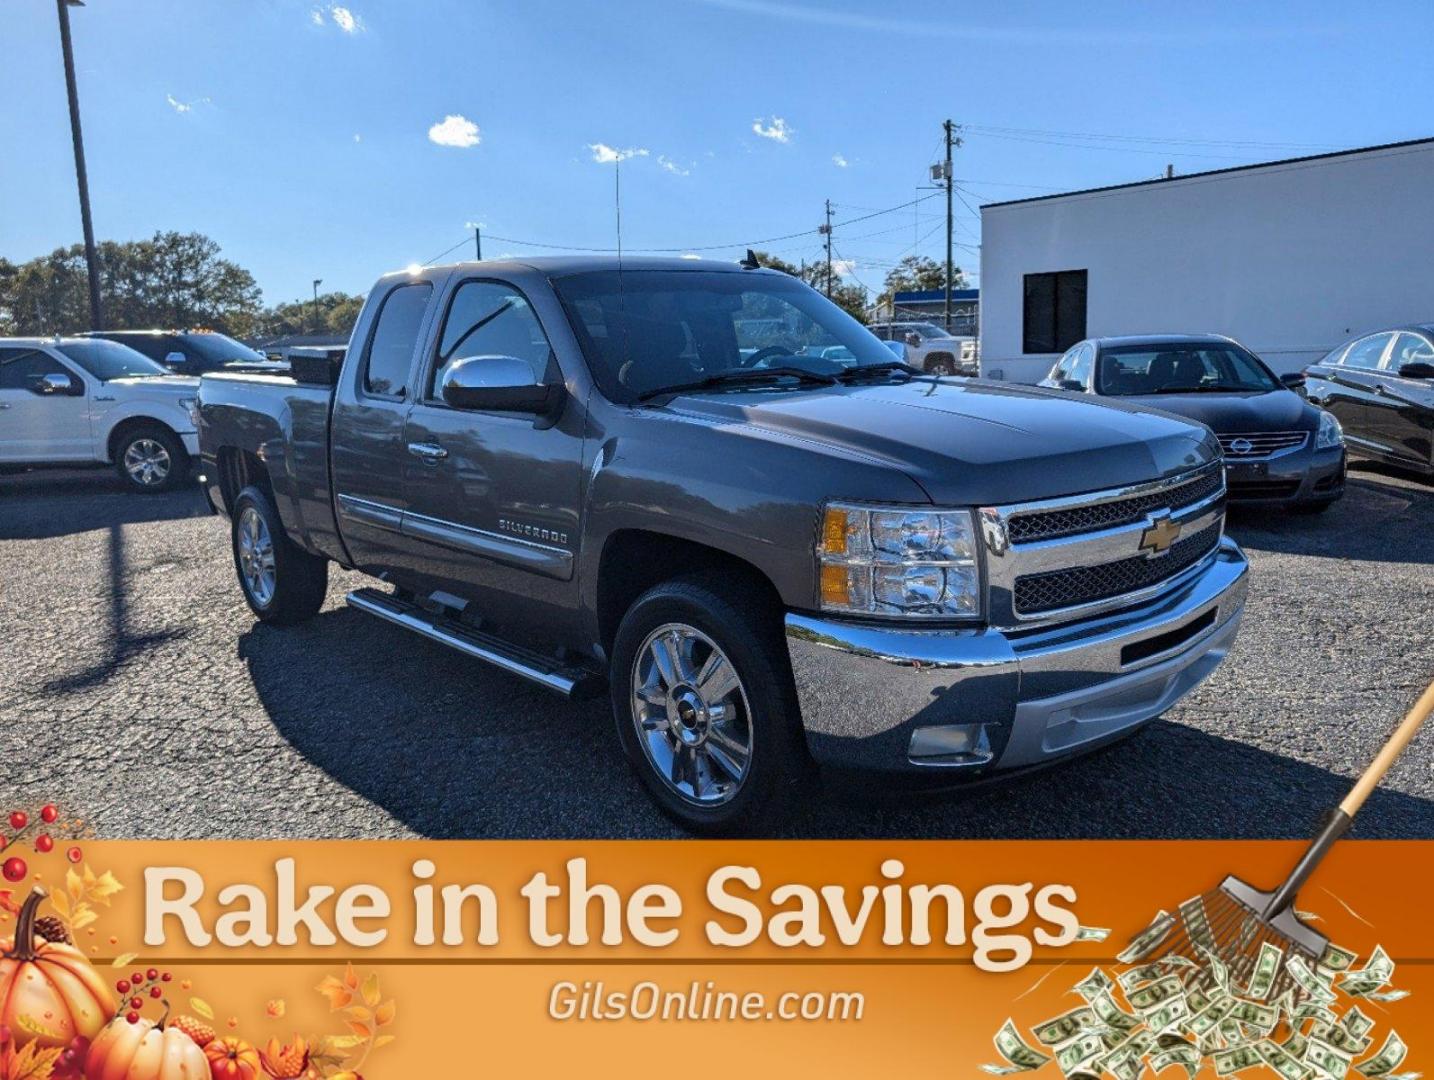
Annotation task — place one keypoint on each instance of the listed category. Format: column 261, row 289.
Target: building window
column 1054, row 314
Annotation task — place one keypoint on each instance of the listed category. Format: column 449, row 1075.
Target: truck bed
column 281, row 425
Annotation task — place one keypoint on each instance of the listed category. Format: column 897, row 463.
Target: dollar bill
column 1197, row 923
column 1208, row 1019
column 1295, row 1044
column 1386, row 995
column 1151, row 996
column 1094, row 984
column 1355, row 1022
column 1079, row 1052
column 1092, row 933
column 1112, row 1015
column 1149, row 939
column 1336, row 959
column 1144, row 973
column 1235, row 1059
column 1281, row 1060
column 1217, row 969
column 1329, row 1060
column 1313, row 1010
column 1391, row 1055
column 1308, row 981
column 1375, row 974
column 1267, row 966
column 1185, row 1055
column 1168, row 1015
column 1020, row 1056
column 1340, row 1037
column 1257, row 1015
column 1063, row 1028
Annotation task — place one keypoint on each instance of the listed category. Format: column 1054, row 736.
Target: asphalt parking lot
column 137, row 690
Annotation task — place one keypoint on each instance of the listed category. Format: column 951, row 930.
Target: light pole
column 317, row 282
column 92, row 266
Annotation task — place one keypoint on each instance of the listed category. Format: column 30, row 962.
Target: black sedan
column 1381, row 386
column 1279, row 449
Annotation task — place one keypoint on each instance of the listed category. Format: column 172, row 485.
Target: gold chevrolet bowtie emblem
column 1160, row 534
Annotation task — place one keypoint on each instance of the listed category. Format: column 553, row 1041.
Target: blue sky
column 302, row 136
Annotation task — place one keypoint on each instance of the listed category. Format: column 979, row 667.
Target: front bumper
column 890, row 698
column 1306, row 476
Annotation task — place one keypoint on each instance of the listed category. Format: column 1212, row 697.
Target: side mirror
column 54, row 384
column 498, row 384
column 1419, row 369
column 1293, row 380
column 175, row 360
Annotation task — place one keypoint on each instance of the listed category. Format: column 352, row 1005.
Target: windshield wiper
column 1194, row 389
column 739, row 377
column 894, row 367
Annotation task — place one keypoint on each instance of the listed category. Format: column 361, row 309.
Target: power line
column 1156, row 139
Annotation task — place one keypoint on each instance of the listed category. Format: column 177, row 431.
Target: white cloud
column 843, row 266
column 317, row 16
column 454, row 130
column 672, row 166
column 840, row 161
column 184, row 106
column 358, row 137
column 604, row 154
column 775, row 129
column 345, row 19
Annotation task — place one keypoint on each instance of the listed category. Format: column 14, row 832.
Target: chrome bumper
column 982, row 700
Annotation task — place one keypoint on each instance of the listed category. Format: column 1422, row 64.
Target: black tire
column 746, row 626
column 150, row 458
column 941, row 365
column 299, row 580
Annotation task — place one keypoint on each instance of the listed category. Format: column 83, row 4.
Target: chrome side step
column 571, row 682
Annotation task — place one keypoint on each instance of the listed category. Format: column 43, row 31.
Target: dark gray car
column 644, row 479
column 1279, row 449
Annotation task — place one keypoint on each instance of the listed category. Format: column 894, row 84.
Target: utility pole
column 317, row 283
column 950, row 178
column 827, row 230
column 92, row 265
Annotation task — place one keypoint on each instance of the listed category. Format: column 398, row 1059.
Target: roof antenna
column 750, row 261
column 617, row 203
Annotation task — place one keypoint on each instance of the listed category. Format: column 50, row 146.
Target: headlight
column 191, row 406
column 1330, row 434
column 899, row 561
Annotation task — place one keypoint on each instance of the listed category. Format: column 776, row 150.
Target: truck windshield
column 107, row 360
column 219, row 349
column 645, row 330
column 1181, row 368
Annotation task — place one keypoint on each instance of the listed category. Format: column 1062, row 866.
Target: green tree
column 917, row 273
column 173, row 279
column 337, row 313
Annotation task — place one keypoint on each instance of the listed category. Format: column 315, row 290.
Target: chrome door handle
column 4, row 404
column 1379, row 389
column 429, row 452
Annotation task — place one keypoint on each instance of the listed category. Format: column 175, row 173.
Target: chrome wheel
column 691, row 714
column 147, row 462
column 256, row 556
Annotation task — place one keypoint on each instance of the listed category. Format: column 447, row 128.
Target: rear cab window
column 394, row 340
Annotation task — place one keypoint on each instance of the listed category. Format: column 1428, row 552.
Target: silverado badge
column 1159, row 534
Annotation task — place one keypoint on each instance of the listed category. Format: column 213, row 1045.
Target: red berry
column 132, row 1017
column 166, row 977
column 122, row 986
column 152, row 974
column 14, row 869
column 19, row 819
column 155, row 991
column 44, row 844
column 68, row 1058
column 49, row 813
column 136, row 1003
column 137, row 978
column 74, row 854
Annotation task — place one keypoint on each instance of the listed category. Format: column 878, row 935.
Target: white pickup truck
column 70, row 401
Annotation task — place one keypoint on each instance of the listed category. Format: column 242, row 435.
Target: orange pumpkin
column 50, row 985
column 144, row 1051
column 232, row 1058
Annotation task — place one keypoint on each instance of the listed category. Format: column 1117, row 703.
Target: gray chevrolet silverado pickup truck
column 649, row 478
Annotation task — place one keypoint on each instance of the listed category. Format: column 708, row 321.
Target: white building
column 1289, row 257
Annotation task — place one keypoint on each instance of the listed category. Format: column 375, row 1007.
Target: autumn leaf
column 383, row 1040
column 123, row 960
column 33, row 1063
column 276, row 1008
column 363, row 1031
column 371, row 993
column 84, row 915
column 202, row 1007
column 359, row 1013
column 74, row 885
column 338, row 994
column 61, row 903
column 351, row 979
column 343, row 1042
column 101, row 889
column 384, row 1014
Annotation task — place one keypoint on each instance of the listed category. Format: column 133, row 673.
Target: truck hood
column 976, row 443
column 1228, row 414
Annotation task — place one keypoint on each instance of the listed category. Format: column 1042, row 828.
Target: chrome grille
column 1243, row 446
column 1069, row 521
column 1037, row 593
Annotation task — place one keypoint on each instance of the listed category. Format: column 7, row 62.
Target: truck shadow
column 45, row 503
column 455, row 750
column 1382, row 511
